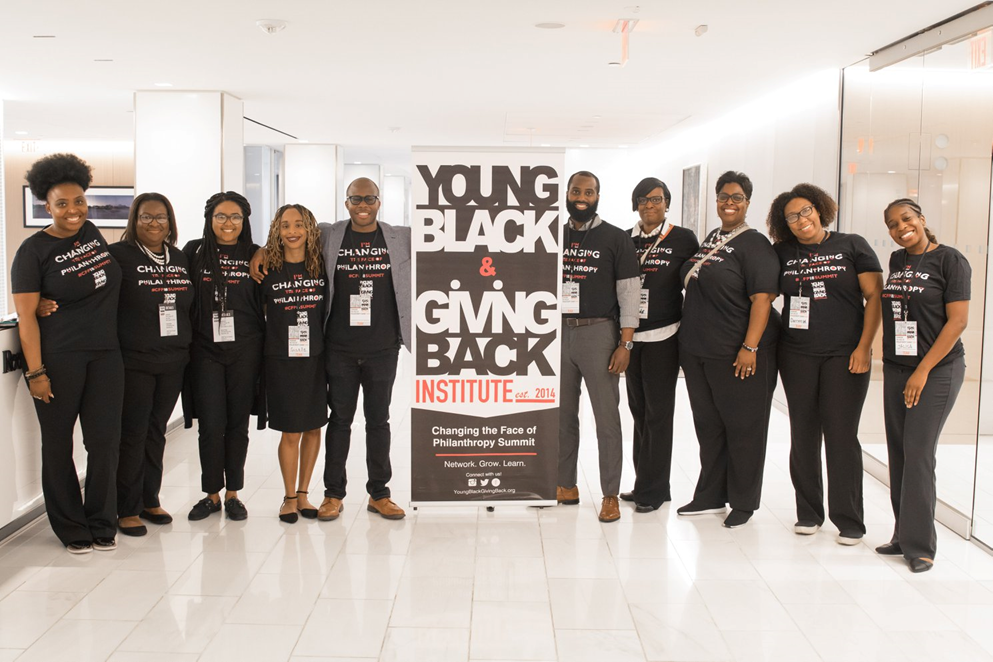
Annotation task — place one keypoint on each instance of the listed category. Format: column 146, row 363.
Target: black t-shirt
column 145, row 287
column 288, row 293
column 660, row 274
column 932, row 280
column 363, row 269
column 597, row 259
column 827, row 275
column 717, row 305
column 243, row 299
column 80, row 275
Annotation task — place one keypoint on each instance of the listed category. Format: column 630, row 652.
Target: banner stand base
column 544, row 503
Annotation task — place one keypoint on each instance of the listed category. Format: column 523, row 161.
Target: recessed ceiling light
column 43, row 36
column 20, row 133
column 549, row 26
column 163, row 84
column 394, row 129
column 358, row 163
column 700, row 30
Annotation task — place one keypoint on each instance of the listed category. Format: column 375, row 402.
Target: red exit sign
column 981, row 47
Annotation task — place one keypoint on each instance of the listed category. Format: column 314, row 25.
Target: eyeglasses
column 369, row 199
column 237, row 219
column 805, row 212
column 655, row 200
column 146, row 219
column 737, row 197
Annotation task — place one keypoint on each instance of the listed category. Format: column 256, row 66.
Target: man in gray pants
column 600, row 297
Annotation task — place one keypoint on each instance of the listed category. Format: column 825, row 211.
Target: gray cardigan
column 398, row 243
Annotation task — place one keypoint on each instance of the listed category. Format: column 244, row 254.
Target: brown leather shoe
column 386, row 508
column 567, row 496
column 610, row 511
column 330, row 509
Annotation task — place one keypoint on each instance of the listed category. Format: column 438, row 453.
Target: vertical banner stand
column 486, row 271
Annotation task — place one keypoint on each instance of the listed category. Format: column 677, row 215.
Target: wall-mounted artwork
column 107, row 207
column 694, row 181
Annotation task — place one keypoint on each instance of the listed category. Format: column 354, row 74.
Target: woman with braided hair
column 294, row 292
column 226, row 358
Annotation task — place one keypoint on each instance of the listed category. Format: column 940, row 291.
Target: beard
column 581, row 216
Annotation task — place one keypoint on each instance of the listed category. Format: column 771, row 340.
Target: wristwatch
column 629, row 345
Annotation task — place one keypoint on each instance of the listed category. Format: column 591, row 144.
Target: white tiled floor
column 516, row 584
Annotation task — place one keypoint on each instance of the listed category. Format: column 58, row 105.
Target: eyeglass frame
column 656, row 200
column 361, row 199
column 224, row 218
column 724, row 197
column 810, row 209
column 146, row 219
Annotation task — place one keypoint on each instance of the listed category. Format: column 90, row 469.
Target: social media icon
column 484, row 482
column 472, row 482
column 496, row 482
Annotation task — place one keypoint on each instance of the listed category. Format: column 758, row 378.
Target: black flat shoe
column 289, row 518
column 134, row 531
column 156, row 518
column 203, row 509
column 890, row 549
column 627, row 496
column 921, row 565
column 644, row 508
column 309, row 513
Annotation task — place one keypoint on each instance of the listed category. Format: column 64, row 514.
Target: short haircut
column 779, row 229
column 733, row 177
column 583, row 173
column 130, row 232
column 646, row 186
column 50, row 171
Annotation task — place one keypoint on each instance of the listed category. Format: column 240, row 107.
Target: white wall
column 313, row 173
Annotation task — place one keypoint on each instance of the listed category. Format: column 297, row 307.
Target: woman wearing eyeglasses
column 228, row 333
column 925, row 311
column 662, row 248
column 727, row 349
column 832, row 285
column 153, row 322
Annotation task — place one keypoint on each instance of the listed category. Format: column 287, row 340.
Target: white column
column 4, row 285
column 312, row 178
column 353, row 171
column 188, row 146
column 395, row 200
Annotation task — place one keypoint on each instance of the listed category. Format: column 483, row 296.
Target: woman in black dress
column 73, row 360
column 925, row 311
column 296, row 386
column 228, row 332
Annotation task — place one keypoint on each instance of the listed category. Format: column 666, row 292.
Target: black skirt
column 296, row 393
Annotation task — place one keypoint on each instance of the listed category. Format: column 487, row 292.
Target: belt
column 585, row 321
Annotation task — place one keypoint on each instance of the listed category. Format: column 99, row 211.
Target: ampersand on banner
column 487, row 268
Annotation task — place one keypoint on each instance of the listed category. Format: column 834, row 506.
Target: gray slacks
column 586, row 352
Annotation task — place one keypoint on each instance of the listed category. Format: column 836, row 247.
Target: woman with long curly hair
column 294, row 292
column 832, row 283
column 228, row 333
column 73, row 365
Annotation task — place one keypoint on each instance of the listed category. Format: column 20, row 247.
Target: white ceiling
column 380, row 75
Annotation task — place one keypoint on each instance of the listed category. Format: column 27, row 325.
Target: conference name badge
column 223, row 326
column 570, row 298
column 799, row 313
column 299, row 337
column 906, row 338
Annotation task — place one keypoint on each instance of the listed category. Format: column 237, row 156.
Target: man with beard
column 600, row 297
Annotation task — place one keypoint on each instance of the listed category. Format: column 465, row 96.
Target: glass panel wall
column 923, row 129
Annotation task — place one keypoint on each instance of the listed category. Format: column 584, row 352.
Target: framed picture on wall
column 108, row 207
column 694, row 181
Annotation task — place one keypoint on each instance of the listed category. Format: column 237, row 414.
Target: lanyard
column 586, row 233
column 663, row 233
column 909, row 280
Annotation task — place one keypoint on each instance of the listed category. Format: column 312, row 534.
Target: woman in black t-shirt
column 651, row 375
column 155, row 330
column 727, row 349
column 226, row 358
column 832, row 285
column 925, row 311
column 294, row 292
column 73, row 360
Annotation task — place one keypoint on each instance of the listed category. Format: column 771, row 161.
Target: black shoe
column 890, row 549
column 737, row 518
column 694, row 508
column 644, row 508
column 104, row 544
column 235, row 509
column 289, row 518
column 204, row 508
column 156, row 518
column 79, row 547
column 309, row 513
column 627, row 496
column 921, row 565
column 135, row 531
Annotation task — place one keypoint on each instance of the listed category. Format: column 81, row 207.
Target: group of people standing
column 112, row 335
column 653, row 301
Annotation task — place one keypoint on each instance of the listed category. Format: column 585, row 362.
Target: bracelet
column 33, row 375
column 750, row 349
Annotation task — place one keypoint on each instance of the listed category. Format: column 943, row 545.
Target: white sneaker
column 849, row 539
column 805, row 528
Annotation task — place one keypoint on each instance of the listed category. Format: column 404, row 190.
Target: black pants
column 731, row 417
column 651, row 385
column 375, row 375
column 912, row 441
column 150, row 394
column 825, row 399
column 224, row 388
column 88, row 386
